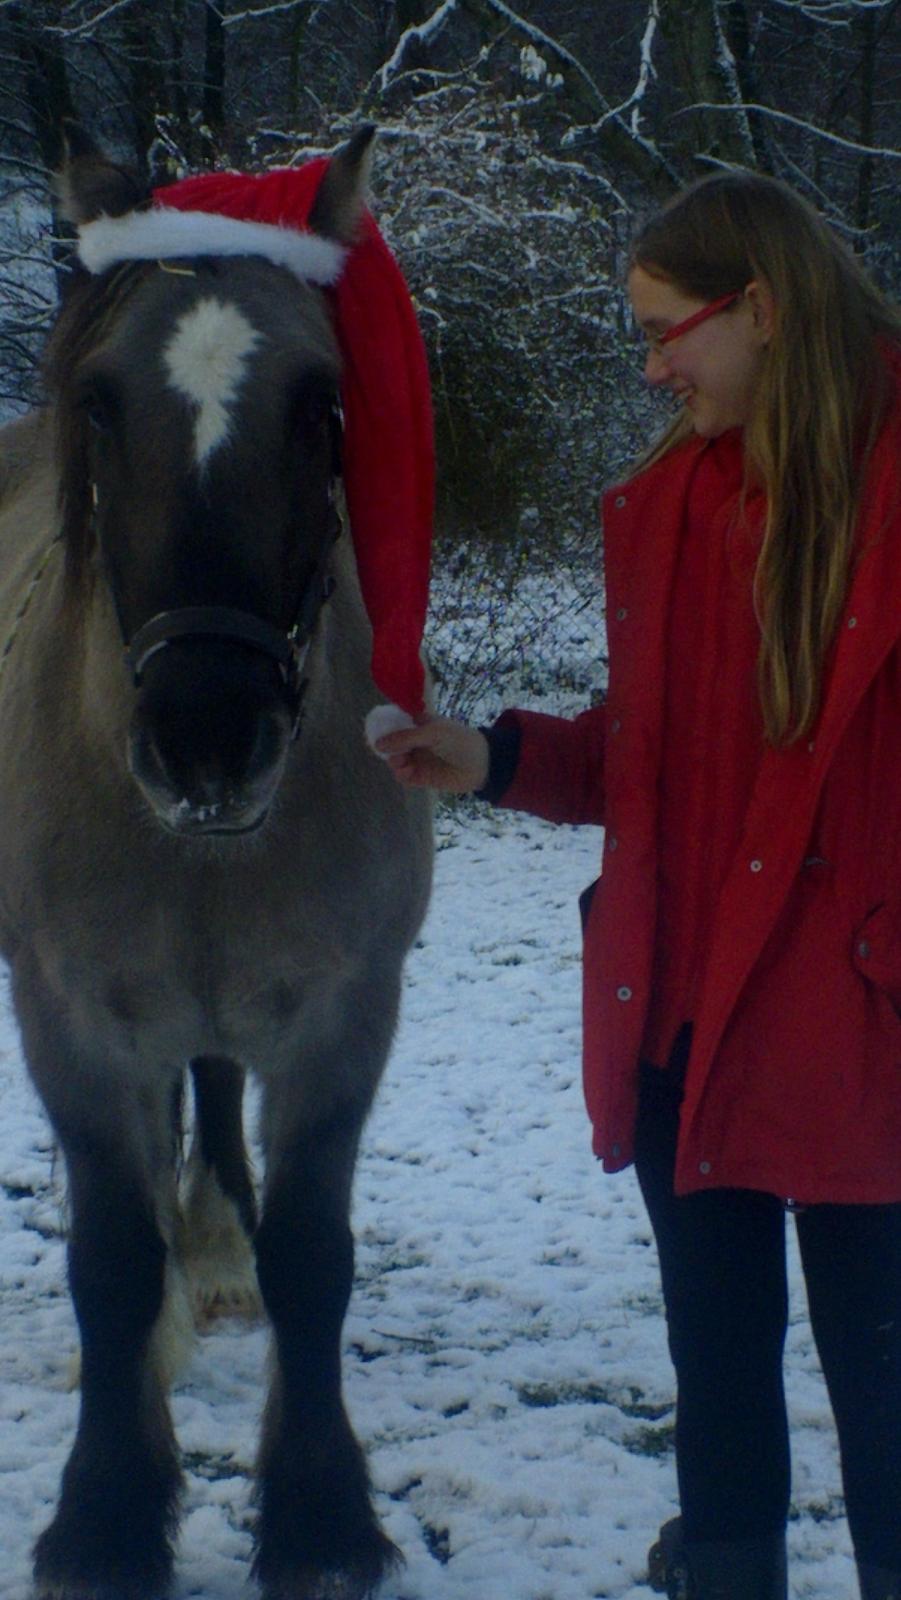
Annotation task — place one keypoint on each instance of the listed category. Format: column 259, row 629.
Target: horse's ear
column 342, row 193
column 90, row 184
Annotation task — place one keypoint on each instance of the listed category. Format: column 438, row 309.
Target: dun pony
column 203, row 870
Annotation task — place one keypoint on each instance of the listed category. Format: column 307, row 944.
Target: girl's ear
column 759, row 296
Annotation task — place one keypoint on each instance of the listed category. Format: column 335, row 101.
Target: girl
column 742, row 957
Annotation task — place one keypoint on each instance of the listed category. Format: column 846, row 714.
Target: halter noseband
column 288, row 648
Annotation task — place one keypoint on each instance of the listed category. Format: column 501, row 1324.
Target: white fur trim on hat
column 384, row 719
column 164, row 233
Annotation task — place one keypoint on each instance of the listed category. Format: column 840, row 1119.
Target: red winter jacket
column 794, row 1079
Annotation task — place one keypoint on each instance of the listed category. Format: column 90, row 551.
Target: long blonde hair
column 822, row 395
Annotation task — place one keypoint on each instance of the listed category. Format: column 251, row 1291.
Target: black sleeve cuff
column 504, row 740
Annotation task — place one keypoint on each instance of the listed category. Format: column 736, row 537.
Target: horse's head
column 198, row 405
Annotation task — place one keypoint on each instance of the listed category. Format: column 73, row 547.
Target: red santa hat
column 389, row 463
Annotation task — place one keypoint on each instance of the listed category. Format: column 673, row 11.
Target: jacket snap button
column 863, row 949
column 756, row 866
column 704, row 1168
column 616, row 1149
column 623, row 993
column 615, row 725
column 619, row 502
column 852, row 622
column 612, row 841
column 621, row 614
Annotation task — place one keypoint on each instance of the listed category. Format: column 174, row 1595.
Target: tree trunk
column 146, row 79
column 704, row 69
column 213, row 104
column 868, row 39
column 737, row 27
column 46, row 79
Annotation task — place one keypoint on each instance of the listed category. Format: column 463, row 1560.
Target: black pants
column 722, row 1260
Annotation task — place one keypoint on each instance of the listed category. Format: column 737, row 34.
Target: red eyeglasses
column 658, row 341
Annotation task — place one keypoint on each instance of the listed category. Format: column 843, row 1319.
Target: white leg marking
column 206, row 360
column 172, row 1337
column 218, row 1259
column 172, row 1340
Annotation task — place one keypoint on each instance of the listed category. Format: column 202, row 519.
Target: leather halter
column 287, row 647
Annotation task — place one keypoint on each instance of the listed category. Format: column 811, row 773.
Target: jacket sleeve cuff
column 504, row 739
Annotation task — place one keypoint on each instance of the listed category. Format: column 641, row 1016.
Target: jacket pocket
column 876, row 951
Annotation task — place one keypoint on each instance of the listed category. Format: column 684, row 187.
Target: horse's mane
column 90, row 307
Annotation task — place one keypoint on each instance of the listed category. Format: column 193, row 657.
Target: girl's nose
column 656, row 366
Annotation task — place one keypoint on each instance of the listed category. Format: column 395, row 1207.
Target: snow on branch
column 547, row 42
column 646, row 70
column 419, row 33
column 610, row 118
column 79, row 29
column 235, row 17
column 883, row 151
column 836, row 12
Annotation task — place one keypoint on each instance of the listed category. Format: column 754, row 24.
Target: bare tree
column 520, row 142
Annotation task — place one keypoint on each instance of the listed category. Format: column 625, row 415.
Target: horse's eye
column 98, row 418
column 315, row 410
column 310, row 411
column 97, row 406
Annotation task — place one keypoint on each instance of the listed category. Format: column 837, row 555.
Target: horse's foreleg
column 111, row 1535
column 318, row 1537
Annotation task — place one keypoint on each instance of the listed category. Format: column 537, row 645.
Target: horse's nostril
column 208, row 767
column 211, row 789
column 268, row 744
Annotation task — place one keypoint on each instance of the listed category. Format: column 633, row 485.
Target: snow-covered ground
column 506, row 1358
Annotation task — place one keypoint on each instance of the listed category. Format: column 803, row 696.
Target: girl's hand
column 437, row 754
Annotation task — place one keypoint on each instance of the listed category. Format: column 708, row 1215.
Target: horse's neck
column 29, row 510
column 25, row 445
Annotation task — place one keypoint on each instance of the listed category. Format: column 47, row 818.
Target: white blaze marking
column 206, row 360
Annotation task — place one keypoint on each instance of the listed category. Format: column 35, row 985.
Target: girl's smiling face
column 714, row 367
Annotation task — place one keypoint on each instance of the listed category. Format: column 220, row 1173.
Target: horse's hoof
column 321, row 1586
column 73, row 1588
column 68, row 1565
column 238, row 1300
column 356, row 1579
column 219, row 1266
column 91, row 1591
column 78, row 1589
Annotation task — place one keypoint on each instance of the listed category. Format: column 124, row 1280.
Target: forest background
column 520, row 145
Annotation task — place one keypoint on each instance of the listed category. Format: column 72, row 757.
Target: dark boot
column 878, row 1583
column 664, row 1554
column 741, row 1569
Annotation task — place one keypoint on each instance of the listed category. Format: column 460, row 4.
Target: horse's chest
column 164, row 988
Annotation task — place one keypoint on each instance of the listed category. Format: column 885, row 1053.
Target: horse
column 204, row 872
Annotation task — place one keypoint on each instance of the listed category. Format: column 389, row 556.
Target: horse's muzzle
column 209, row 739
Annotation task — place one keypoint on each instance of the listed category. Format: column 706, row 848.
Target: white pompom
column 385, row 719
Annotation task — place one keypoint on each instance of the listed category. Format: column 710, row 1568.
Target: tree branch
column 419, row 33
column 616, row 138
column 884, row 151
